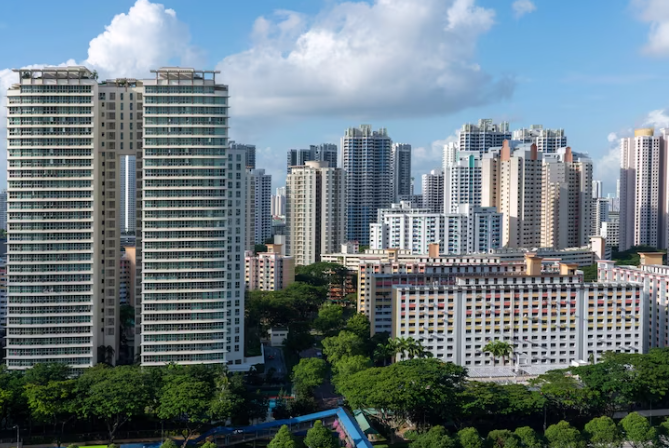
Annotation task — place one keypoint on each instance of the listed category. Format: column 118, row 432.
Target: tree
column 498, row 349
column 308, row 374
column 502, row 438
column 528, row 437
column 385, row 351
column 359, row 325
column 330, row 319
column 638, row 431
column 563, row 435
column 469, row 438
column 42, row 373
column 344, row 344
column 565, row 393
column 320, row 437
column 349, row 365
column 257, row 248
column 207, row 444
column 436, row 437
column 53, row 403
column 283, row 439
column 602, row 432
column 321, row 273
column 420, row 390
column 114, row 395
column 168, row 443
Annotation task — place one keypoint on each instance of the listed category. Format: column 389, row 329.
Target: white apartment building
column 546, row 199
column 482, row 137
column 279, row 202
column 67, row 135
column 610, row 229
column 543, row 308
column 433, row 191
column 269, row 271
column 367, row 162
column 601, row 214
column 596, row 189
column 547, row 140
column 262, row 210
column 401, row 166
column 653, row 277
column 462, row 179
column 325, row 152
column 315, row 213
column 3, row 210
column 472, row 230
column 643, row 196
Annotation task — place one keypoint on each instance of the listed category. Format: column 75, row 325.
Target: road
column 274, row 359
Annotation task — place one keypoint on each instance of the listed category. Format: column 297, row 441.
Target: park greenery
column 50, row 399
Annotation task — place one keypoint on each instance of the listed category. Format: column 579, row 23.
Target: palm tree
column 384, row 351
column 498, row 349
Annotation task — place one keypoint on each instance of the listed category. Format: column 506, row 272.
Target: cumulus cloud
column 148, row 36
column 391, row 58
column 655, row 12
column 522, row 7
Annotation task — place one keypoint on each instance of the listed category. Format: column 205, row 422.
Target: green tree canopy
column 308, row 374
column 283, row 439
column 114, row 395
column 359, row 325
column 350, row 365
column 469, row 438
column 436, row 437
column 563, row 435
column 502, row 438
column 528, row 437
column 421, row 390
column 320, row 437
column 602, row 432
column 498, row 349
column 344, row 344
column 54, row 403
column 320, row 274
column 637, row 431
column 330, row 319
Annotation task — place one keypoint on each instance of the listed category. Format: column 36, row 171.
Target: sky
column 302, row 71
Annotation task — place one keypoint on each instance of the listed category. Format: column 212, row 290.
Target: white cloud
column 425, row 159
column 655, row 12
column 522, row 7
column 147, row 37
column 391, row 58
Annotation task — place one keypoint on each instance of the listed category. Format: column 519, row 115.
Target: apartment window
column 121, row 96
column 112, row 96
column 131, row 97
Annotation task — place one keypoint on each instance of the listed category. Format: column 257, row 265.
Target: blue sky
column 301, row 71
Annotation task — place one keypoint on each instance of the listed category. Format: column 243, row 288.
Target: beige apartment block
column 315, row 213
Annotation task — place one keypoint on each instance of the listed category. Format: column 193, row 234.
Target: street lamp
column 18, row 436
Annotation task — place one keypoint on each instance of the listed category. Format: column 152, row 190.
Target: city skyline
column 179, row 36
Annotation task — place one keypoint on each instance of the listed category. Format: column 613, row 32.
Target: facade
column 482, row 137
column 3, row 210
column 601, row 214
column 315, row 213
column 462, row 179
column 325, row 152
column 367, row 162
column 596, row 189
column 262, row 210
column 249, row 153
column 546, row 199
column 472, row 230
column 643, row 189
column 653, row 277
column 128, row 196
column 610, row 229
column 547, row 140
column 269, row 271
column 401, row 166
column 433, row 191
column 543, row 309
column 64, row 204
column 581, row 256
column 279, row 202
